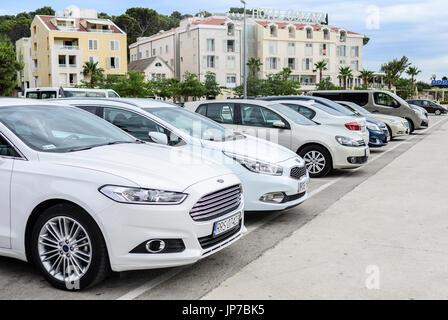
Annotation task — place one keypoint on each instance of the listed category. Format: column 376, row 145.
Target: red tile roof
column 211, row 21
column 47, row 21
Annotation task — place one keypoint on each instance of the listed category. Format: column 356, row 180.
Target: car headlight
column 396, row 122
column 349, row 142
column 373, row 127
column 142, row 196
column 255, row 165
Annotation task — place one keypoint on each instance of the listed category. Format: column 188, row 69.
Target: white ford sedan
column 273, row 177
column 80, row 197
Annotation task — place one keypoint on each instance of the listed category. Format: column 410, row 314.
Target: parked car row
column 93, row 185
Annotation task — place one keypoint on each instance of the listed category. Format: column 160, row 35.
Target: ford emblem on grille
column 220, row 181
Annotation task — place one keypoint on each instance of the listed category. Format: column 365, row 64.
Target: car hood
column 149, row 166
column 384, row 117
column 375, row 121
column 253, row 148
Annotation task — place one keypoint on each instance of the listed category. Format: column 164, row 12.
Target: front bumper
column 378, row 138
column 256, row 185
column 126, row 226
column 398, row 129
column 341, row 154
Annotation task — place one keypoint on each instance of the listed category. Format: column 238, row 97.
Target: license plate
column 226, row 225
column 303, row 185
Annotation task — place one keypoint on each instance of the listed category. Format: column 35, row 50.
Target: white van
column 55, row 93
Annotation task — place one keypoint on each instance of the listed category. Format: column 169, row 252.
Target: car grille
column 210, row 241
column 217, row 204
column 298, row 172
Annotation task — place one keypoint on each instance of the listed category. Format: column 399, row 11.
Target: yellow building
column 61, row 44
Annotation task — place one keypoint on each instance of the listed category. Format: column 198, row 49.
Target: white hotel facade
column 215, row 43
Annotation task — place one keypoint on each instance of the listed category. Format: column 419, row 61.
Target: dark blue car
column 378, row 133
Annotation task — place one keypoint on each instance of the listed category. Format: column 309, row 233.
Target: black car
column 429, row 106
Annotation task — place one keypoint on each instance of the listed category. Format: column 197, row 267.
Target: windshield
column 193, row 124
column 60, row 129
column 292, row 115
column 84, row 94
column 331, row 105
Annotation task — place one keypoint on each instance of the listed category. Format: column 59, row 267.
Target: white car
column 323, row 147
column 273, row 177
column 54, row 93
column 326, row 115
column 79, row 197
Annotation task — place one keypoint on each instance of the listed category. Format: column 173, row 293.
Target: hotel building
column 215, row 44
column 61, row 44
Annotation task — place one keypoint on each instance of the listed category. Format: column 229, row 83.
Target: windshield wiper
column 102, row 145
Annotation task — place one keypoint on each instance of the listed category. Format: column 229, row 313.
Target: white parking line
column 171, row 273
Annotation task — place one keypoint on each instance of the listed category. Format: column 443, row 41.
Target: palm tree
column 254, row 65
column 91, row 69
column 394, row 69
column 366, row 76
column 413, row 71
column 345, row 73
column 321, row 66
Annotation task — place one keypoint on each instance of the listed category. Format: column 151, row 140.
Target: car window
column 48, row 94
column 425, row 103
column 221, row 112
column 202, row 110
column 252, row 115
column 307, row 112
column 360, row 98
column 6, row 150
column 383, row 99
column 59, row 129
column 138, row 126
column 91, row 109
column 32, row 95
column 112, row 94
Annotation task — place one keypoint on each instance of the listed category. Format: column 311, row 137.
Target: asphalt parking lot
column 299, row 244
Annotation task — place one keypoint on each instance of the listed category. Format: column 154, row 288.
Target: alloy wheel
column 314, row 161
column 65, row 249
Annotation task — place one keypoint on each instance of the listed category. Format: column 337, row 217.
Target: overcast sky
column 417, row 29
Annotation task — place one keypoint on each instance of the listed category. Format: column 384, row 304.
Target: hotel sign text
column 283, row 15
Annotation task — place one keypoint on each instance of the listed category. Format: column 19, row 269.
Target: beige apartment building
column 215, row 44
column 23, row 55
column 61, row 44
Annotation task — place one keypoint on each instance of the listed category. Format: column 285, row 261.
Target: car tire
column 411, row 126
column 322, row 164
column 65, row 237
column 438, row 113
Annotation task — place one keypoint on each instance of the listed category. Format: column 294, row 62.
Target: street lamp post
column 244, row 52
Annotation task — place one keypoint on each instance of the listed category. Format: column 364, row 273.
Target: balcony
column 100, row 30
column 64, row 47
column 67, row 29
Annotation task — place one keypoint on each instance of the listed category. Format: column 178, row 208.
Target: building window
column 307, row 64
column 272, row 63
column 139, row 55
column 231, row 81
column 309, row 33
column 342, row 62
column 291, row 32
column 93, row 58
column 230, row 62
column 291, row 49
column 93, row 45
column 147, row 53
column 355, row 65
column 210, row 45
column 166, row 49
column 211, row 62
column 153, row 52
column 324, row 49
column 72, row 79
column 341, row 51
column 308, row 49
column 114, row 63
column 230, row 45
column 72, row 61
column 62, row 62
column 230, row 29
column 158, row 64
column 342, row 36
column 114, row 45
column 172, row 61
column 273, row 47
column 273, row 31
column 354, row 52
column 326, row 34
column 292, row 63
column 160, row 50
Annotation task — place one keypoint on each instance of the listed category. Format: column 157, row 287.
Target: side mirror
column 279, row 124
column 158, row 137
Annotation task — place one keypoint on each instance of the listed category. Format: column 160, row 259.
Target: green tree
column 326, row 84
column 366, row 76
column 281, row 84
column 394, row 69
column 9, row 67
column 129, row 25
column 191, row 87
column 166, row 88
column 91, row 70
column 203, row 13
column 345, row 73
column 133, row 86
column 212, row 88
column 147, row 20
column 321, row 66
column 44, row 11
column 413, row 72
column 254, row 65
column 16, row 28
column 404, row 88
